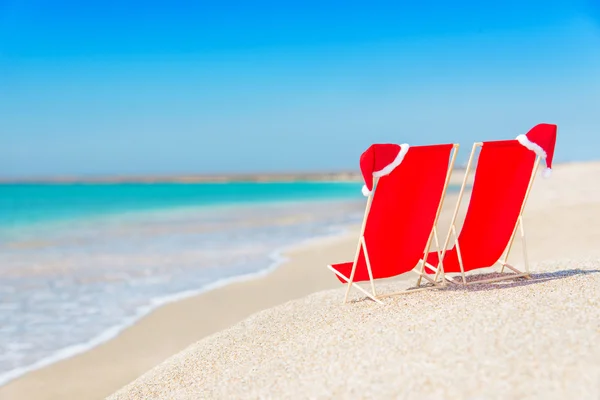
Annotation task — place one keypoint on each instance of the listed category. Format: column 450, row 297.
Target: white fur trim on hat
column 524, row 140
column 537, row 149
column 397, row 161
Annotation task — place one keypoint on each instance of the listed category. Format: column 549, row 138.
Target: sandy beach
column 524, row 340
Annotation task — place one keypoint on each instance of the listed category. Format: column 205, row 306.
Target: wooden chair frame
column 419, row 268
column 503, row 261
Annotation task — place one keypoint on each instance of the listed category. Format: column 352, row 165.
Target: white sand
column 538, row 338
column 525, row 339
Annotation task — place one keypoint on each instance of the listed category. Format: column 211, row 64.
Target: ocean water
column 79, row 262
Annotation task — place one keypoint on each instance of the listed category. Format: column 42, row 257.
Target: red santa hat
column 380, row 160
column 541, row 140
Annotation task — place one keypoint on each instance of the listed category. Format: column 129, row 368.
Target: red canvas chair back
column 402, row 214
column 503, row 173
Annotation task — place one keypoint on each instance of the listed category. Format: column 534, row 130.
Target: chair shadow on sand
column 535, row 278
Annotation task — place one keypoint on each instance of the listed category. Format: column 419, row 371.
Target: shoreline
column 277, row 259
column 149, row 340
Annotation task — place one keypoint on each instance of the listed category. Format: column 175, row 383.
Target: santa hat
column 541, row 140
column 380, row 160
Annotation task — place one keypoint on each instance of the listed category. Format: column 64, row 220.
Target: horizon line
column 340, row 176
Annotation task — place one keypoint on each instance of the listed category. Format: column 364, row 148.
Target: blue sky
column 119, row 87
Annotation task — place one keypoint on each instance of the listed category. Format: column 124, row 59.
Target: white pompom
column 365, row 191
column 547, row 173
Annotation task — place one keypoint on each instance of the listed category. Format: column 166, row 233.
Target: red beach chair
column 503, row 180
column 406, row 188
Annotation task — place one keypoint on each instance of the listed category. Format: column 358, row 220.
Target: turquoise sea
column 79, row 262
column 23, row 204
